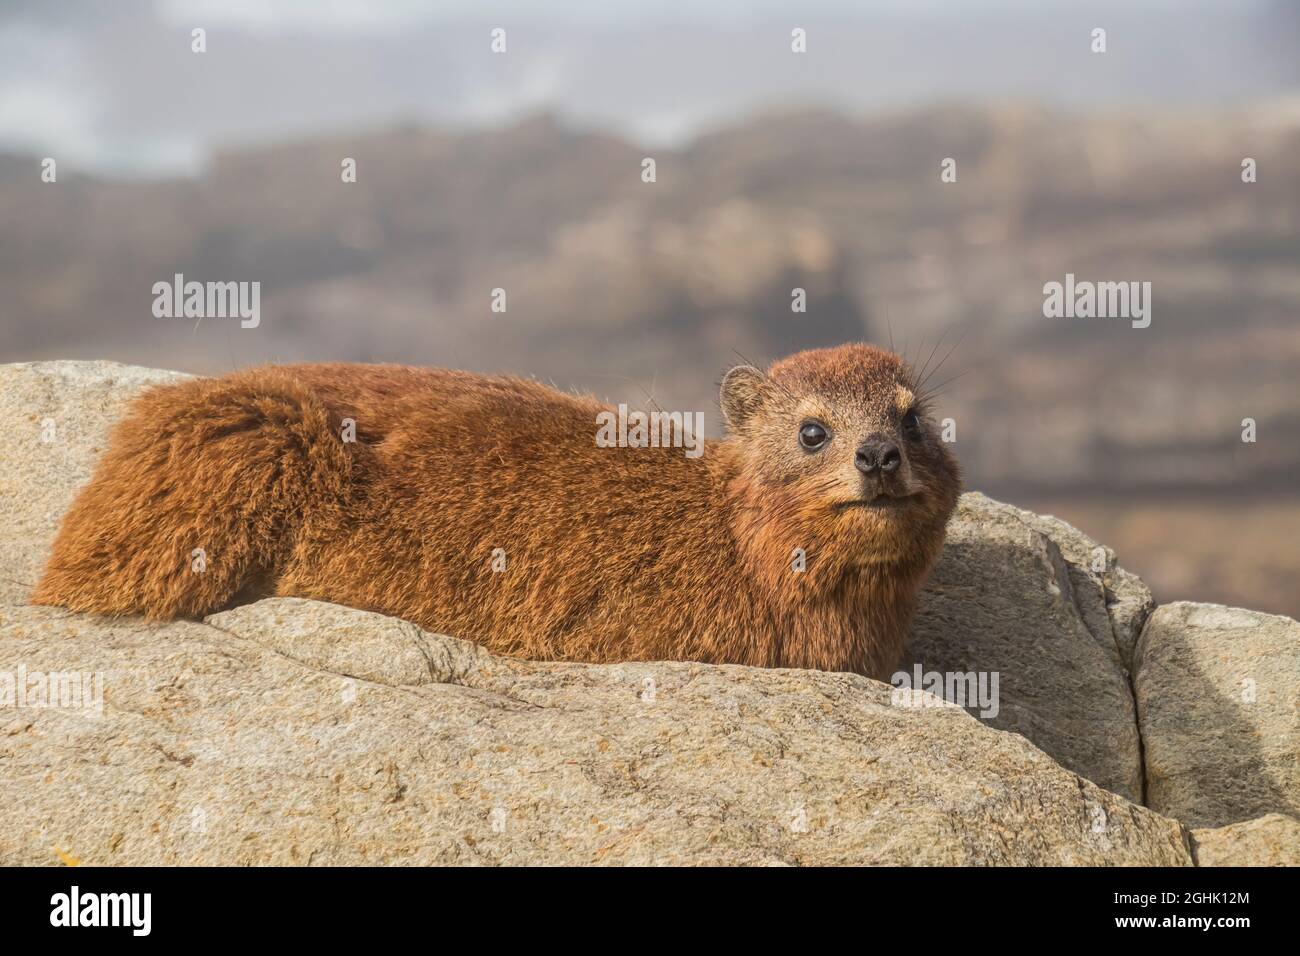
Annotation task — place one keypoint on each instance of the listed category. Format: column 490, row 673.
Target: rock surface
column 1218, row 691
column 1014, row 594
column 294, row 731
column 245, row 741
column 59, row 415
column 1273, row 840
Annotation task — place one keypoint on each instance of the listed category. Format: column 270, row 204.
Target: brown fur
column 611, row 553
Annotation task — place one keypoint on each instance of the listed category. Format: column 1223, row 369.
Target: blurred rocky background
column 820, row 171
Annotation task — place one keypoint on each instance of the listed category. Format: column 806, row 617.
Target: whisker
column 930, row 357
column 939, row 388
column 947, row 355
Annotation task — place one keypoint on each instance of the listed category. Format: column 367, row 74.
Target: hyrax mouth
column 880, row 502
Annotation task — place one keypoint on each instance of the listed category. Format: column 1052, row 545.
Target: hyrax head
column 843, row 434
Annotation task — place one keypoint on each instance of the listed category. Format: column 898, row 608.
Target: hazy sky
column 113, row 86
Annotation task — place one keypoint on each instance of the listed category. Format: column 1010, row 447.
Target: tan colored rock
column 991, row 605
column 1273, row 840
column 982, row 613
column 58, row 415
column 293, row 731
column 1217, row 691
column 245, row 743
column 1014, row 594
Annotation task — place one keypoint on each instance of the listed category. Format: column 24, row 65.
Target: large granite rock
column 1014, row 592
column 1218, row 691
column 1273, row 840
column 57, row 415
column 293, row 732
column 1046, row 609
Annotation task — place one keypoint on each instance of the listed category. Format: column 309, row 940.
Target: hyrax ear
column 743, row 391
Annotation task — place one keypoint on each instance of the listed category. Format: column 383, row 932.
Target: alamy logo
column 66, row 690
column 638, row 429
column 103, row 909
column 1102, row 300
column 179, row 299
column 967, row 689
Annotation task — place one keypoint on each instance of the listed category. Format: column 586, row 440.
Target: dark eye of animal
column 912, row 423
column 812, row 436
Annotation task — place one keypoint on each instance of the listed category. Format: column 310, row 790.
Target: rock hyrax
column 484, row 508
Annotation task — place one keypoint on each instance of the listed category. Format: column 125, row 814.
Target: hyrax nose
column 878, row 457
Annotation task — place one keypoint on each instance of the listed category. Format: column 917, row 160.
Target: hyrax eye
column 813, row 436
column 912, row 423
